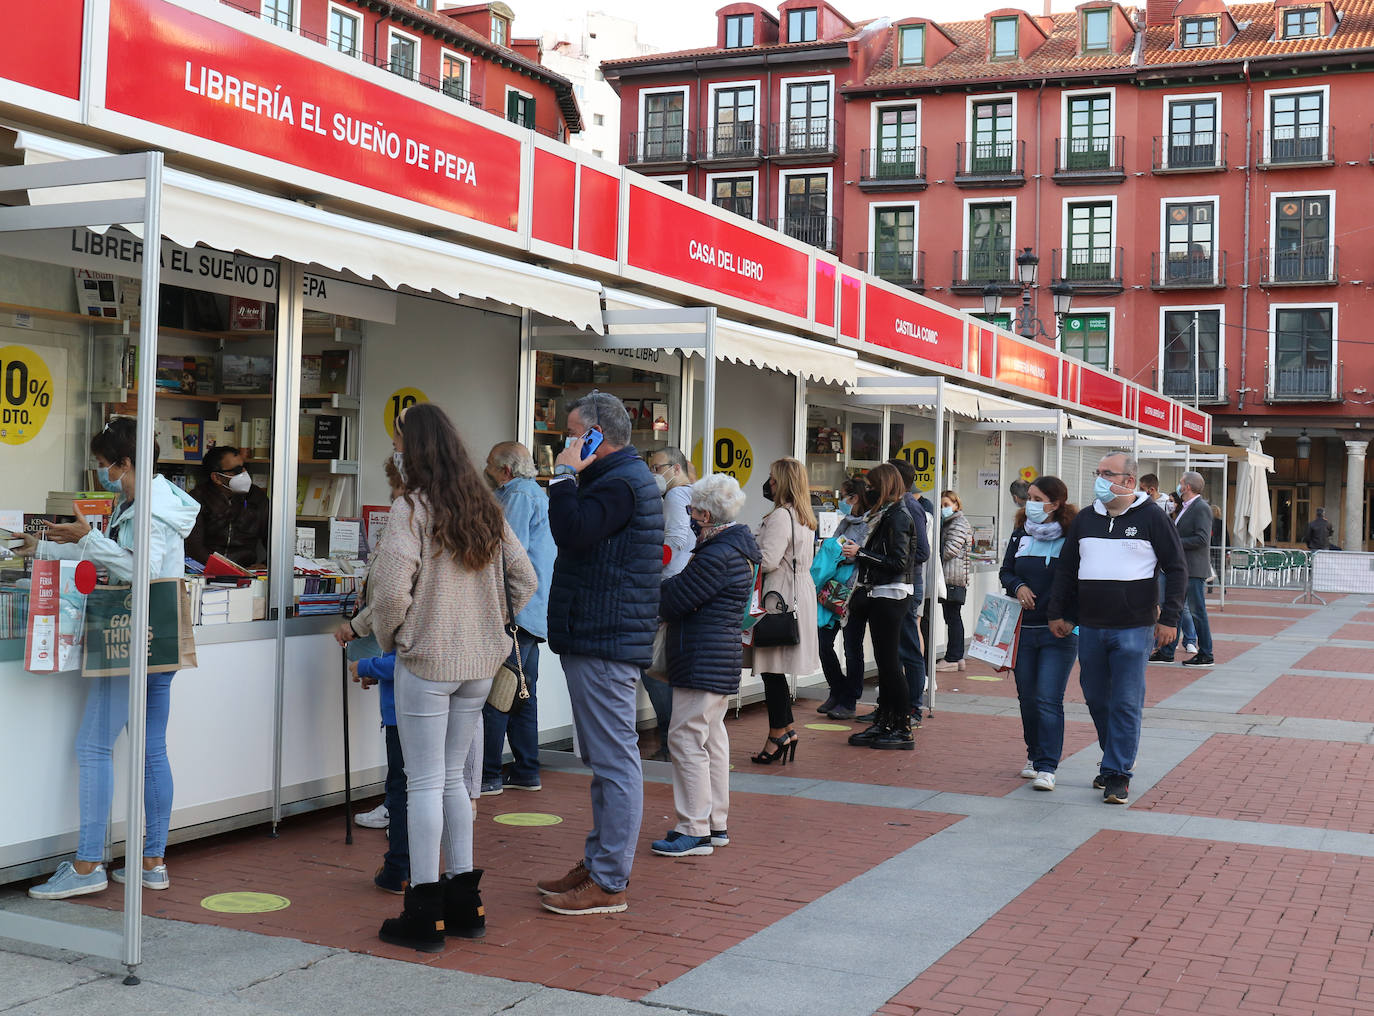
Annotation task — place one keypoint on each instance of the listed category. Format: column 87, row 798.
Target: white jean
column 701, row 761
column 437, row 721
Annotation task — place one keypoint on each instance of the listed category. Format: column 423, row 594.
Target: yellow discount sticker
column 245, row 903
column 25, row 394
column 399, row 400
column 732, row 455
column 527, row 818
column 920, row 455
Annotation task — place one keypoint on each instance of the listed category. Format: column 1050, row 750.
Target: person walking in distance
column 1318, row 534
column 956, row 539
column 606, row 515
column 1194, row 523
column 1105, row 584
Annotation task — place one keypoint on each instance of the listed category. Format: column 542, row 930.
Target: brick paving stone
column 1323, row 698
column 1356, row 632
column 1230, row 624
column 1341, row 659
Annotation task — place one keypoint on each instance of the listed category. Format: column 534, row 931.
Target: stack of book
column 14, row 612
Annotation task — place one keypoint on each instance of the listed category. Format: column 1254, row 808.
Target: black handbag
column 779, row 627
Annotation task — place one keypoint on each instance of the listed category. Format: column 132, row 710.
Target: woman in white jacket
column 107, row 698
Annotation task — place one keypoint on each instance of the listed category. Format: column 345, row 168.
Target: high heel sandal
column 787, row 750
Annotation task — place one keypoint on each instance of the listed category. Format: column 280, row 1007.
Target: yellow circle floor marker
column 828, row 726
column 527, row 818
column 981, row 677
column 245, row 903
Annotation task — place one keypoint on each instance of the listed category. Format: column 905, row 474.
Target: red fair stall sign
column 915, row 329
column 1152, row 410
column 206, row 79
column 1102, row 392
column 40, row 51
column 1028, row 367
column 1195, row 426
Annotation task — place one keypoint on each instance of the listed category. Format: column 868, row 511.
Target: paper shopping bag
column 40, row 637
column 109, row 632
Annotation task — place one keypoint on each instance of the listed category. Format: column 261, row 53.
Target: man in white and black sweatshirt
column 1106, row 585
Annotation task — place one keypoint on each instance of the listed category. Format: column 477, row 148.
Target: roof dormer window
column 1004, row 45
column 1097, row 31
column 911, row 45
column 1197, row 32
column 739, row 30
column 1302, row 23
column 500, row 30
column 801, row 25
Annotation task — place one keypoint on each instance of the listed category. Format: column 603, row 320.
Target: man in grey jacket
column 1194, row 522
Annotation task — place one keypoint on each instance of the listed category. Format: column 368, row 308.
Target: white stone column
column 1353, row 536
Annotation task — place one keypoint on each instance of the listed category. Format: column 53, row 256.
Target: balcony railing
column 1205, row 387
column 1296, row 146
column 902, row 268
column 974, row 269
column 1308, row 264
column 817, row 230
column 661, row 146
column 892, row 168
column 730, row 142
column 804, row 139
column 1319, row 383
column 1089, row 160
column 1088, row 268
column 1196, row 152
column 990, row 163
column 1187, row 270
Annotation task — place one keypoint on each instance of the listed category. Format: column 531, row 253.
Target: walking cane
column 348, row 769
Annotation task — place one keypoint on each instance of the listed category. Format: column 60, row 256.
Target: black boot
column 464, row 914
column 864, row 738
column 895, row 737
column 421, row 924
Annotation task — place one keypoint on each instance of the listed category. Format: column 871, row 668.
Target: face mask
column 768, row 489
column 240, row 483
column 113, row 486
column 696, row 527
column 843, row 508
column 661, row 482
column 946, row 511
column 399, row 459
column 1102, row 490
column 1035, row 511
column 1179, row 490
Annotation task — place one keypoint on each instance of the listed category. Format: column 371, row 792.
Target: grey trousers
column 701, row 761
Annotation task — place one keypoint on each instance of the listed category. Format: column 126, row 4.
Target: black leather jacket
column 235, row 525
column 885, row 557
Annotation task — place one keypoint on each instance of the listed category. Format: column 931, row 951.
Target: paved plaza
column 1240, row 879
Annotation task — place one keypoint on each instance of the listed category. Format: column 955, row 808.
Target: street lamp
column 1027, row 325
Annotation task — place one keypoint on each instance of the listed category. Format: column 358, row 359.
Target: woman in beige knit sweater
column 442, row 588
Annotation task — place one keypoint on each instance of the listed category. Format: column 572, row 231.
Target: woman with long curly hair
column 443, row 586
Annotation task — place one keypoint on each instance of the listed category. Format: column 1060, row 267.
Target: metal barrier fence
column 1338, row 571
column 1268, row 568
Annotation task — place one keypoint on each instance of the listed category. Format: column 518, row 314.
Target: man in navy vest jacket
column 606, row 515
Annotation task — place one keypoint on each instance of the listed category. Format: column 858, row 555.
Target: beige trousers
column 701, row 761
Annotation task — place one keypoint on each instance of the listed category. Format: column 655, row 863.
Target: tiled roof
column 681, row 54
column 1255, row 38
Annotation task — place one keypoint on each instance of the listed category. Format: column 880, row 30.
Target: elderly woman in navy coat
column 704, row 605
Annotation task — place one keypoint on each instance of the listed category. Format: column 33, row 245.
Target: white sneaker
column 1028, row 773
column 1043, row 781
column 377, row 818
column 1191, row 647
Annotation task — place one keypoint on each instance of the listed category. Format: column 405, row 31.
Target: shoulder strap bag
column 506, row 683
column 779, row 625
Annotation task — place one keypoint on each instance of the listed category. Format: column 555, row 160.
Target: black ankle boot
column 464, row 914
column 421, row 924
column 865, row 737
column 895, row 737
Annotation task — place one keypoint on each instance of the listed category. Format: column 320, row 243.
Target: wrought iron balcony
column 1187, row 269
column 818, row 230
column 1195, row 152
column 1089, row 269
column 659, row 146
column 1308, row 264
column 974, row 270
column 1089, row 160
column 736, row 143
column 1317, row 383
column 990, row 163
column 1206, row 386
column 1296, row 146
column 893, row 168
column 901, row 268
column 804, row 139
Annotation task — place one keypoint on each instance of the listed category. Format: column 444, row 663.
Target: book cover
column 262, row 438
column 212, row 436
column 242, row 374
column 218, row 564
column 310, row 375
column 334, row 500
column 317, row 496
column 343, row 537
column 199, row 373
column 245, row 315
column 334, row 371
column 327, row 442
column 191, row 433
column 302, row 483
column 374, row 524
column 658, row 415
column 305, row 541
column 169, row 441
column 170, row 370
column 231, row 420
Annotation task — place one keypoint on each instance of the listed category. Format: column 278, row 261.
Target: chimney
column 1047, row 9
column 1160, row 12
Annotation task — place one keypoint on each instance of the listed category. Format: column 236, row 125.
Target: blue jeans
column 1112, row 673
column 603, row 697
column 1195, row 611
column 661, row 698
column 909, row 650
column 107, row 713
column 397, row 859
column 1187, row 633
column 847, row 682
column 520, row 726
column 1043, row 663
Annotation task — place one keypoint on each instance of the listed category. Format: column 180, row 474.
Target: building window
column 734, row 194
column 1004, row 38
column 1295, row 127
column 1302, row 352
column 994, row 146
column 808, row 117
column 343, row 31
column 598, row 120
column 1192, row 354
column 520, row 109
column 735, row 129
column 663, row 134
column 1302, row 23
column 675, row 184
column 1089, row 144
column 455, row 76
column 500, row 31
column 911, row 45
column 739, row 31
column 1089, row 254
column 1097, row 31
column 897, row 157
column 801, row 25
column 425, row 5
column 1088, row 337
column 989, row 241
column 806, row 209
column 1302, row 231
column 1192, row 133
column 404, row 58
column 1198, row 32
column 1002, row 319
column 1190, row 242
column 894, row 244
column 281, row 13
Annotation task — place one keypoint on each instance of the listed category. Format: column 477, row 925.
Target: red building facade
column 1179, row 169
column 467, row 53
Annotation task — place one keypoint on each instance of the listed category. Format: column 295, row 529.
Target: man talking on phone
column 606, row 516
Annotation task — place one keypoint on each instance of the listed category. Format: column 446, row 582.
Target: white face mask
column 399, row 459
column 240, row 483
column 662, row 482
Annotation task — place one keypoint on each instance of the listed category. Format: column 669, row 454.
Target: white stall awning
column 196, row 210
column 771, row 350
column 958, row 401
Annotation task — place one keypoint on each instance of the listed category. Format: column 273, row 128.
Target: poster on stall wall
column 34, row 425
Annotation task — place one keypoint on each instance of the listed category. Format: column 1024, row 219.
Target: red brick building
column 1181, row 168
column 465, row 52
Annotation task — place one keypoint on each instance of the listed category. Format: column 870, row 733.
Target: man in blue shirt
column 510, row 470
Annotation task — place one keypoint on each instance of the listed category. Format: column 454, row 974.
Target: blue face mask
column 1179, row 491
column 1102, row 490
column 843, row 508
column 113, row 486
column 1035, row 511
column 946, row 511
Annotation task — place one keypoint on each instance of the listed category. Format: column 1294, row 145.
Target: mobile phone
column 591, row 441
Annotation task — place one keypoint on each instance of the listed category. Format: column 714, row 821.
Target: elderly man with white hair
column 703, row 605
column 1194, row 523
